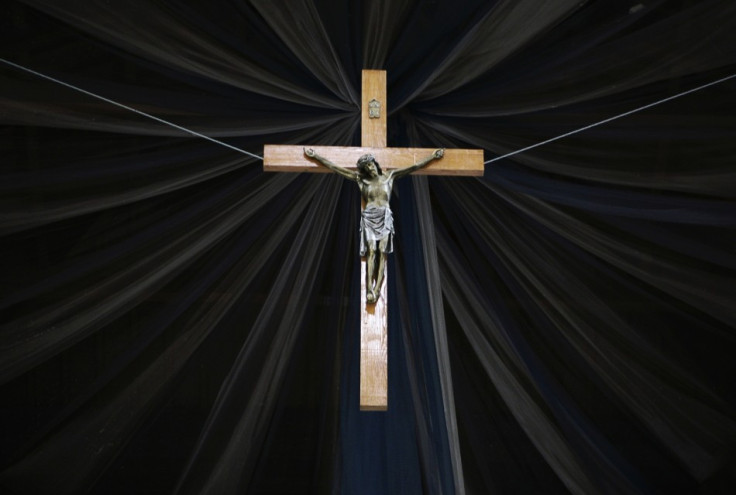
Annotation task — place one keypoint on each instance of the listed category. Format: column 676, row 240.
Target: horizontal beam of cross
column 288, row 158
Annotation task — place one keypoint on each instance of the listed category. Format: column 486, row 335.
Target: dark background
column 175, row 320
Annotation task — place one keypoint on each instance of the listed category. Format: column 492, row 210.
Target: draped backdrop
column 175, row 320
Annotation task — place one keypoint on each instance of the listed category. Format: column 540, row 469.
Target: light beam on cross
column 458, row 162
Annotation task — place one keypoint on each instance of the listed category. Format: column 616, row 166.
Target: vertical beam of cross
column 373, row 317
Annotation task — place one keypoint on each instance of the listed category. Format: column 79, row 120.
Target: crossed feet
column 371, row 297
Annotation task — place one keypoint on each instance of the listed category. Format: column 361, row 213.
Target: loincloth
column 376, row 224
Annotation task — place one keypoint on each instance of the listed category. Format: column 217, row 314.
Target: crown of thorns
column 365, row 160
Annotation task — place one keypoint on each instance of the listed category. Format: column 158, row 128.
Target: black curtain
column 175, row 320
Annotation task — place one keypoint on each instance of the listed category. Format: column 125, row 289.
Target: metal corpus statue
column 376, row 223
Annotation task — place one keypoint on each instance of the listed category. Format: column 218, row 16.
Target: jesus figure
column 376, row 223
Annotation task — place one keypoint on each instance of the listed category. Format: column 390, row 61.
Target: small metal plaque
column 374, row 109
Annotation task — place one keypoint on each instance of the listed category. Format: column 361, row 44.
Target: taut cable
column 126, row 107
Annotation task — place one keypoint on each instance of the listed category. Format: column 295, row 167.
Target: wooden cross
column 285, row 158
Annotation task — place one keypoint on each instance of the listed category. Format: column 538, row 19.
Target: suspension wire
column 126, row 107
column 221, row 143
column 638, row 109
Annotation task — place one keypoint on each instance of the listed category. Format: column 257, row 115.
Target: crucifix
column 397, row 161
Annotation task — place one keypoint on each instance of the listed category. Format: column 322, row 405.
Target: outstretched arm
column 348, row 174
column 400, row 172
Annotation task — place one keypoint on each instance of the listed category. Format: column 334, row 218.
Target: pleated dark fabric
column 175, row 320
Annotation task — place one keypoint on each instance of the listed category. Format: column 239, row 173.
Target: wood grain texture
column 373, row 131
column 373, row 349
column 373, row 317
column 289, row 158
